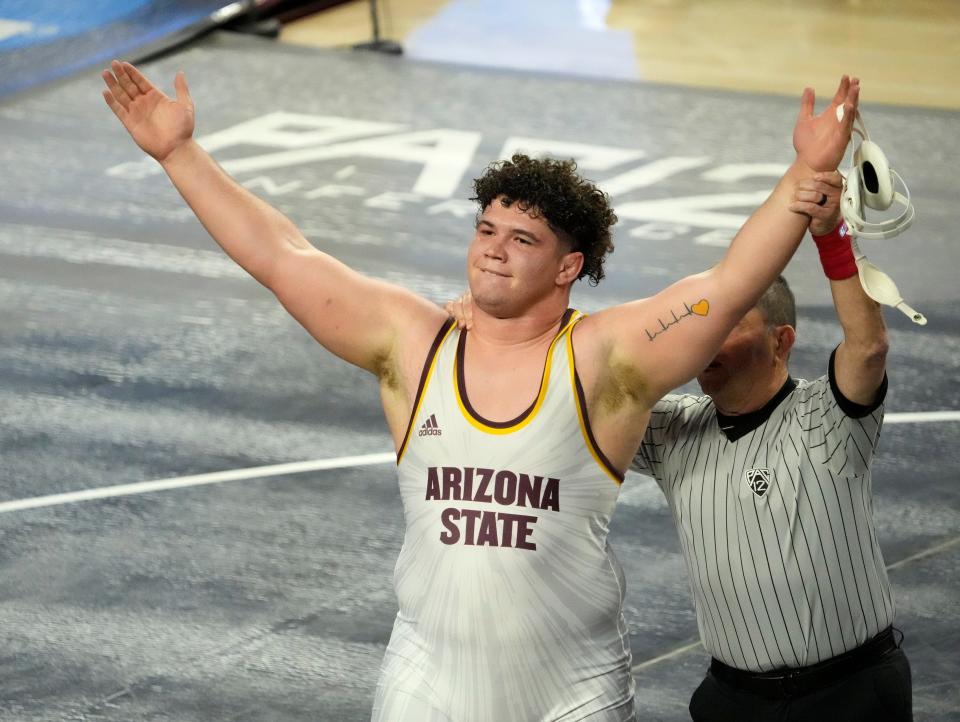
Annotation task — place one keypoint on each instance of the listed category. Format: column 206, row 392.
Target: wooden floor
column 907, row 52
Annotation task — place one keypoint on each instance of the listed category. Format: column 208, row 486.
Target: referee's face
column 746, row 362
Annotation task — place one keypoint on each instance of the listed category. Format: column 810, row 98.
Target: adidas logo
column 430, row 427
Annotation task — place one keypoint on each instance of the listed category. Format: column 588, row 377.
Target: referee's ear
column 786, row 335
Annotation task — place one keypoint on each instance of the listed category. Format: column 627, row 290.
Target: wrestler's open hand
column 156, row 122
column 821, row 140
column 808, row 193
column 462, row 310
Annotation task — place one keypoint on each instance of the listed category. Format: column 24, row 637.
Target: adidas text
column 430, row 427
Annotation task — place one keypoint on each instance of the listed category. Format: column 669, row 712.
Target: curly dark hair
column 574, row 208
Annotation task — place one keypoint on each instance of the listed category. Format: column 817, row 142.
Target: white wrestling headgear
column 870, row 184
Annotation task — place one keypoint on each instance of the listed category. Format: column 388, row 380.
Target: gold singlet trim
column 570, row 317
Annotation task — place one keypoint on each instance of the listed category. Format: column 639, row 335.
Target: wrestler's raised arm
column 357, row 318
column 661, row 342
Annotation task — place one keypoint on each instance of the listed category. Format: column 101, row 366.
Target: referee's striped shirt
column 775, row 520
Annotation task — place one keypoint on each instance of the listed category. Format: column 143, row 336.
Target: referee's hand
column 462, row 310
column 819, row 198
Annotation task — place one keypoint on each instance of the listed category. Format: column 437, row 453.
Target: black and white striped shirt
column 776, row 523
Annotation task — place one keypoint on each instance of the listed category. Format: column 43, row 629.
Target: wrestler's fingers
column 118, row 110
column 842, row 89
column 183, row 91
column 116, row 90
column 850, row 106
column 124, row 80
column 138, row 78
column 807, row 100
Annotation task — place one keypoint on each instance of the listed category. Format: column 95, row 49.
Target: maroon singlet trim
column 462, row 381
column 431, row 354
column 586, row 420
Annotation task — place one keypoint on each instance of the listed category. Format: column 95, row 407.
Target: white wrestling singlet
column 510, row 599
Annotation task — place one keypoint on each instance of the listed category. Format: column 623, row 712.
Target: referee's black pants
column 876, row 688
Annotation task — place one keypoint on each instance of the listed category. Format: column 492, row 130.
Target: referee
column 768, row 480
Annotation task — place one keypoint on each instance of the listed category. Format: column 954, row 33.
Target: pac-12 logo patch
column 758, row 480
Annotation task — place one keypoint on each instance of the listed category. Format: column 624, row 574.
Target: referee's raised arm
column 860, row 360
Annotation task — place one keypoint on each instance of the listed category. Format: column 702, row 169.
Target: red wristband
column 836, row 254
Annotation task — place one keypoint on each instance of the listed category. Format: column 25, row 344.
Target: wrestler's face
column 747, row 357
column 515, row 260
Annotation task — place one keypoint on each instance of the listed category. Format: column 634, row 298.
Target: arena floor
column 131, row 350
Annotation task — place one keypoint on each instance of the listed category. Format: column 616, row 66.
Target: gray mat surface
column 131, row 349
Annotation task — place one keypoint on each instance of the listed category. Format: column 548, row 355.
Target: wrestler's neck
column 745, row 394
column 518, row 327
